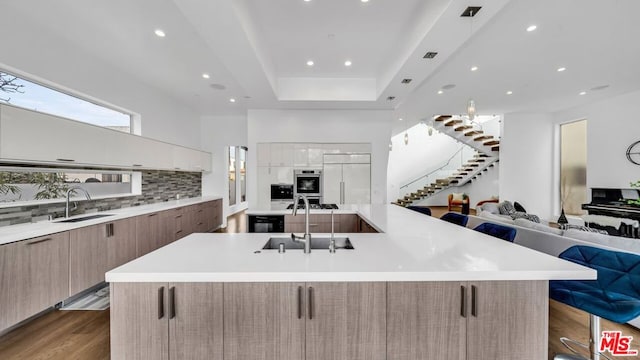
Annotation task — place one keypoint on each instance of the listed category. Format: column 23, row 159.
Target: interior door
column 357, row 183
column 332, row 178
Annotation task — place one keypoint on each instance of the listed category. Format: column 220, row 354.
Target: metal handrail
column 438, row 169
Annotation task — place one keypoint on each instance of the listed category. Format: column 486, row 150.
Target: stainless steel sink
column 317, row 243
column 83, row 218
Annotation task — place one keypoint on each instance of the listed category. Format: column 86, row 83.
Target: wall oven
column 281, row 196
column 309, row 183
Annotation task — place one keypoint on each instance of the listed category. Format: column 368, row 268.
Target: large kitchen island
column 420, row 289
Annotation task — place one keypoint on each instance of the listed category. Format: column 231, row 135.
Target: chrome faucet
column 306, row 238
column 72, row 189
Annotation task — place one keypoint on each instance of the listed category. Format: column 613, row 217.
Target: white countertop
column 413, row 247
column 20, row 232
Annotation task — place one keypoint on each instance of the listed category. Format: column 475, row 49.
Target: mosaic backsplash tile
column 157, row 186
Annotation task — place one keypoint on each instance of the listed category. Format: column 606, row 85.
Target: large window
column 237, row 175
column 573, row 166
column 33, row 96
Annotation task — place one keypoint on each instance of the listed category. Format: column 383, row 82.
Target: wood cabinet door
column 139, row 321
column 87, row 257
column 121, row 242
column 151, row 232
column 195, row 321
column 425, row 321
column 510, row 316
column 346, row 223
column 264, row 321
column 346, row 321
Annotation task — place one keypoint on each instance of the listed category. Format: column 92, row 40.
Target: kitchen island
column 420, row 289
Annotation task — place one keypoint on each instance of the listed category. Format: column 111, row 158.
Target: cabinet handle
column 310, row 225
column 200, row 223
column 65, row 160
column 137, row 165
column 161, row 302
column 178, row 217
column 152, row 215
column 299, row 302
column 172, row 302
column 109, row 230
column 113, row 232
column 39, row 241
column 463, row 301
column 310, row 300
column 474, row 301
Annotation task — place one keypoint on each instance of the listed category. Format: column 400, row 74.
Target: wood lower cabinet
column 34, row 275
column 321, row 223
column 322, row 321
column 121, row 242
column 151, row 232
column 167, row 321
column 212, row 215
column 468, row 320
column 264, row 321
column 346, row 321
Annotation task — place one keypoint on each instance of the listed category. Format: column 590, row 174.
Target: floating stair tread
column 443, row 117
column 463, row 127
column 474, row 132
column 495, row 148
column 452, row 122
column 483, row 137
column 491, row 143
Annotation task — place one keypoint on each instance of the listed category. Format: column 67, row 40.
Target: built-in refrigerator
column 346, row 178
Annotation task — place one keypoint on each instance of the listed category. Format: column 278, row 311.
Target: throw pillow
column 582, row 228
column 490, row 207
column 596, row 238
column 497, row 218
column 521, row 215
column 506, row 208
column 457, row 196
column 519, row 207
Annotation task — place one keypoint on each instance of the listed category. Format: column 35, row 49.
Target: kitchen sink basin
column 83, row 218
column 317, row 243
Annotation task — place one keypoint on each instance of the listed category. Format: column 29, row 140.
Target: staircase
column 486, row 157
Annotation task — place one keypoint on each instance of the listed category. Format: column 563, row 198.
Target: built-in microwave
column 308, row 182
column 280, row 192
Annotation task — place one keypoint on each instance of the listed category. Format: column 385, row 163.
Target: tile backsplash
column 157, row 186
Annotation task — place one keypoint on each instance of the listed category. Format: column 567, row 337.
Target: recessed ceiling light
column 561, row 69
column 347, row 63
column 532, row 28
column 160, row 33
column 400, row 119
column 310, row 63
column 509, row 92
column 583, row 93
column 205, row 75
column 307, row 0
column 364, row 1
column 474, row 68
column 440, row 92
column 232, row 100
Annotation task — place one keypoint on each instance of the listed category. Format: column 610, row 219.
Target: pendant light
column 390, row 145
column 471, row 109
column 406, row 138
column 430, row 130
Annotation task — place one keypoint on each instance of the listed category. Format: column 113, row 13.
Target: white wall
column 217, row 134
column 323, row 126
column 50, row 59
column 611, row 127
column 526, row 161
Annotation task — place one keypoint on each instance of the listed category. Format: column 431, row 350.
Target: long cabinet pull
column 463, row 301
column 299, row 302
column 310, row 300
column 161, row 302
column 65, row 160
column 474, row 301
column 39, row 241
column 172, row 302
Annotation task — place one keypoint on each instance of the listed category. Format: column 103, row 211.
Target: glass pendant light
column 390, row 145
column 430, row 131
column 406, row 138
column 471, row 109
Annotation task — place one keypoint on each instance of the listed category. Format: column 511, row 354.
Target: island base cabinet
column 468, row 320
column 424, row 321
column 510, row 320
column 166, row 321
column 264, row 321
column 346, row 321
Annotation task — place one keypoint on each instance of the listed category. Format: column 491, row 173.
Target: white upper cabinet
column 264, row 154
column 316, row 152
column 300, row 155
column 28, row 136
column 282, row 154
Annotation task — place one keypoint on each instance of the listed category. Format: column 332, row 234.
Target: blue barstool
column 455, row 218
column 421, row 209
column 500, row 231
column 615, row 295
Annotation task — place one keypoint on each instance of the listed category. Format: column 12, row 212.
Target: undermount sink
column 317, row 243
column 83, row 218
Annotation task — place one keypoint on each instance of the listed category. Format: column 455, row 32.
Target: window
column 19, row 186
column 573, row 166
column 232, row 175
column 23, row 93
column 237, row 175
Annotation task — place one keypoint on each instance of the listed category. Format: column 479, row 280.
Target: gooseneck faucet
column 306, row 238
column 72, row 189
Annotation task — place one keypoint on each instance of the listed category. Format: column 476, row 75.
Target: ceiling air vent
column 391, row 98
column 471, row 11
column 430, row 55
column 406, row 81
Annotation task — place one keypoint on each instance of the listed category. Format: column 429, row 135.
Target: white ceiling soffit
column 593, row 40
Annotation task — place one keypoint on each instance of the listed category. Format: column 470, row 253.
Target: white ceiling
column 258, row 49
